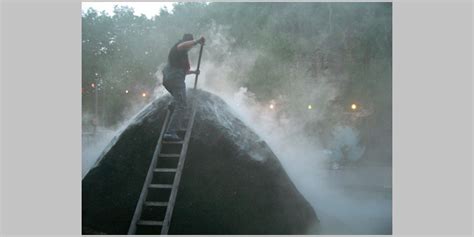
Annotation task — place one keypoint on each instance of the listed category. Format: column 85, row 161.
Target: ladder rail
column 179, row 171
column 148, row 179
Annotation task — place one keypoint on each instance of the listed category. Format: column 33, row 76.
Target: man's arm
column 190, row 44
column 186, row 45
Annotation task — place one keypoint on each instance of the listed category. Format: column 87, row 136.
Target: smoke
column 98, row 139
column 92, row 146
column 347, row 200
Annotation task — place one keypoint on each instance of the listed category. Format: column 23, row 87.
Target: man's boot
column 181, row 133
column 171, row 136
column 171, row 106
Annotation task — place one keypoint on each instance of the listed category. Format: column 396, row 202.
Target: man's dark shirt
column 178, row 58
column 174, row 72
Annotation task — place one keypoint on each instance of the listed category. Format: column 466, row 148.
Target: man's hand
column 201, row 40
column 194, row 72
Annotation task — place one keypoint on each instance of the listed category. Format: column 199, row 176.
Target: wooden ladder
column 146, row 201
column 138, row 220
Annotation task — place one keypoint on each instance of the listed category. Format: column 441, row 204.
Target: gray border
column 41, row 117
column 432, row 119
column 40, row 135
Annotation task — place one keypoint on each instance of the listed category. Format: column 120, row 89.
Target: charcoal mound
column 232, row 183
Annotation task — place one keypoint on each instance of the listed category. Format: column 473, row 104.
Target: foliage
column 348, row 42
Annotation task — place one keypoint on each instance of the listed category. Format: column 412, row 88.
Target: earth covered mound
column 232, row 183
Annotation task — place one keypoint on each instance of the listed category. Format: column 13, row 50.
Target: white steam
column 347, row 201
column 97, row 141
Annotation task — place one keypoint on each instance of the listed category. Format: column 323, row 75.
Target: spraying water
column 353, row 200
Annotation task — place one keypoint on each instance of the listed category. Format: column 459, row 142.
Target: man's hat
column 188, row 37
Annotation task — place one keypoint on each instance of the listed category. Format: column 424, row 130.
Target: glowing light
column 272, row 106
column 144, row 94
column 93, row 85
column 126, row 91
column 310, row 107
column 353, row 106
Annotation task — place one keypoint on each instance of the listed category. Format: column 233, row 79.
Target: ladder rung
column 164, row 170
column 160, row 186
column 156, row 204
column 172, row 142
column 150, row 223
column 169, row 155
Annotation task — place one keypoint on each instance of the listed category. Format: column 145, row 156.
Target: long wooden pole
column 199, row 64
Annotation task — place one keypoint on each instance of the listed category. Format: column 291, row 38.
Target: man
column 174, row 74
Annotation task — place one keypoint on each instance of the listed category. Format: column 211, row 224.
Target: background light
column 272, row 106
column 310, row 107
column 353, row 106
column 126, row 91
column 93, row 85
column 143, row 94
